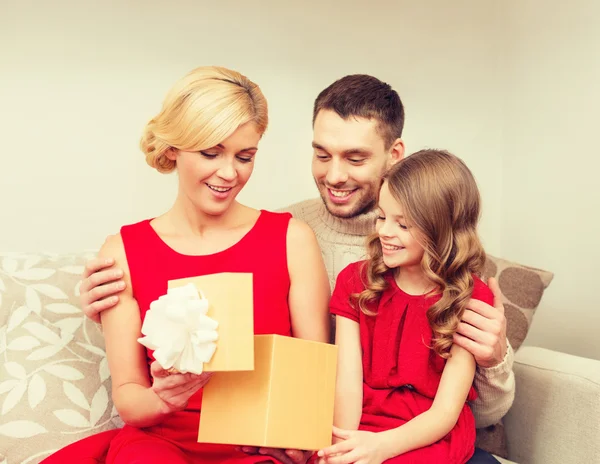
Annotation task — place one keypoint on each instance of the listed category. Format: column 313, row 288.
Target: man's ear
column 171, row 153
column 396, row 152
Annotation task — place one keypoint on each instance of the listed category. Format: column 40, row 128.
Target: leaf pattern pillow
column 54, row 377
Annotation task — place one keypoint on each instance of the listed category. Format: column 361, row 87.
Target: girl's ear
column 171, row 153
column 396, row 152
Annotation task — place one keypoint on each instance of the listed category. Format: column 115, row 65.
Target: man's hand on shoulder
column 101, row 282
column 482, row 331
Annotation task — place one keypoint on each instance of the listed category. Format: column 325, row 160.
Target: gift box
column 230, row 303
column 285, row 402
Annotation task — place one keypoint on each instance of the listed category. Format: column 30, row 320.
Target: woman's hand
column 356, row 446
column 175, row 390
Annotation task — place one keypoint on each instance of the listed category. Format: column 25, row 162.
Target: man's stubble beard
column 365, row 205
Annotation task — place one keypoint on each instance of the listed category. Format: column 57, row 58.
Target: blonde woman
column 208, row 130
column 402, row 384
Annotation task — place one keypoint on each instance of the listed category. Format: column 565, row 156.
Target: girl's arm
column 309, row 284
column 438, row 421
column 138, row 402
column 349, row 383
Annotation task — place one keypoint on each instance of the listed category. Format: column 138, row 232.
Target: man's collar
column 361, row 225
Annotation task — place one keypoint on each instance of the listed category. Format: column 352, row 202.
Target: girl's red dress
column 401, row 374
column 152, row 263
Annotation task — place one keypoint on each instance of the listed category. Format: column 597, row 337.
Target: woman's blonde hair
column 201, row 110
column 441, row 201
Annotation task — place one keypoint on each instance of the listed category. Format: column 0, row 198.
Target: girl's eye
column 208, row 155
column 245, row 159
column 403, row 226
column 380, row 218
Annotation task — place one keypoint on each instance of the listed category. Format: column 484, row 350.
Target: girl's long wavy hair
column 441, row 201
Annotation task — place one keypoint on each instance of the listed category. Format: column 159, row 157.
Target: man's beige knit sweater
column 342, row 242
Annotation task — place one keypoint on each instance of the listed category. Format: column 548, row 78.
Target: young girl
column 402, row 385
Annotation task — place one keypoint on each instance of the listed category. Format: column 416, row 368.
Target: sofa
column 55, row 382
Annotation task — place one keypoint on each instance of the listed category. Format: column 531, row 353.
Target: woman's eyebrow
column 221, row 146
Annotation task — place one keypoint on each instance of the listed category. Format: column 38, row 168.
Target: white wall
column 78, row 81
column 551, row 160
column 509, row 86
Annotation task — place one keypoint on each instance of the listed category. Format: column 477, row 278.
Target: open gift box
column 267, row 390
column 230, row 303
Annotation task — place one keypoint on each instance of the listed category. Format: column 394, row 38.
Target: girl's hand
column 356, row 446
column 175, row 390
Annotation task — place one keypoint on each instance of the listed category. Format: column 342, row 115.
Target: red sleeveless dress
column 152, row 263
column 401, row 374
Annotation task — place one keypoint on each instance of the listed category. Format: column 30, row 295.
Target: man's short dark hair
column 364, row 96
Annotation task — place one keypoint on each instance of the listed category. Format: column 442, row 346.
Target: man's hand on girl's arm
column 482, row 331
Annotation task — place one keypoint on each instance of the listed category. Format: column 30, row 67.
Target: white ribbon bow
column 177, row 328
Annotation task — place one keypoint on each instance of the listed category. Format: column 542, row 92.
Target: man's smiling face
column 349, row 160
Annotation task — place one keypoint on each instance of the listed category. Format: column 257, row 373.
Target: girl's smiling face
column 399, row 239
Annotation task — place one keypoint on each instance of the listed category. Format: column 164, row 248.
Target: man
column 357, row 125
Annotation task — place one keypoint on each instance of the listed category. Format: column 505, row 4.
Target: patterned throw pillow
column 522, row 290
column 54, row 378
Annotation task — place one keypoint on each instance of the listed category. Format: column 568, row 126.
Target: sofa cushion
column 55, row 386
column 556, row 414
column 522, row 290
